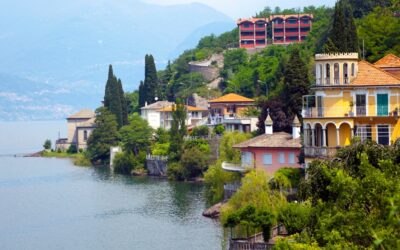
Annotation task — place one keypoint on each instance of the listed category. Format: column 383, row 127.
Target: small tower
column 296, row 125
column 269, row 125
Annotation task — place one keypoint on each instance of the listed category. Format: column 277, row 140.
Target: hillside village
column 290, row 120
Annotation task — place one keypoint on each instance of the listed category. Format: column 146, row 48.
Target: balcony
column 320, row 152
column 293, row 33
column 313, row 112
column 292, row 25
column 361, row 111
column 246, row 28
column 280, row 34
column 279, row 25
column 260, row 28
column 251, row 37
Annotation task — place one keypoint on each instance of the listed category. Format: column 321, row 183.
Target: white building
column 152, row 113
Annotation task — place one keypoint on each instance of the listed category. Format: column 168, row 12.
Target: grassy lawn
column 60, row 154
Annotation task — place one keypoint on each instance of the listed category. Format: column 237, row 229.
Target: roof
column 388, row 61
column 251, row 20
column 158, row 105
column 231, row 98
column 189, row 108
column 88, row 123
column 268, row 120
column 83, row 114
column 296, row 121
column 369, row 74
column 275, row 140
column 291, row 15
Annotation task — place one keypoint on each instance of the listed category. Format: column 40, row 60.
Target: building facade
column 152, row 113
column 79, row 128
column 252, row 32
column 270, row 151
column 230, row 111
column 285, row 29
column 351, row 98
column 194, row 117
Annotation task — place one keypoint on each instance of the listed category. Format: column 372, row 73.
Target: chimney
column 269, row 125
column 296, row 125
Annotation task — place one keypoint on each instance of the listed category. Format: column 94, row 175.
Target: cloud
column 15, row 97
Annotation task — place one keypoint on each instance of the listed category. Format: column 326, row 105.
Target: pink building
column 272, row 151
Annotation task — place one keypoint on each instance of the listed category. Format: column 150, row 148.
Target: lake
column 51, row 204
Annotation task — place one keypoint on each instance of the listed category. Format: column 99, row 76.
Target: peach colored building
column 272, row 151
column 230, row 111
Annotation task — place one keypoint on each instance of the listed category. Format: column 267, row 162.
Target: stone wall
column 156, row 167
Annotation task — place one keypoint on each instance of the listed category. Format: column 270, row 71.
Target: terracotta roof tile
column 388, row 61
column 189, row 108
column 231, row 98
column 369, row 74
column 276, row 140
column 251, row 20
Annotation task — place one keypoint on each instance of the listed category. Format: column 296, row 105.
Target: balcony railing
column 320, row 152
column 315, row 112
column 361, row 111
column 327, row 80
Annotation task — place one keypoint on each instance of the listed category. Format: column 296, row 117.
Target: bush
column 124, row 163
column 194, row 162
column 72, row 149
column 200, row 144
column 201, row 131
column 160, row 149
column 295, row 216
column 219, row 129
column 82, row 160
column 175, row 171
column 47, row 144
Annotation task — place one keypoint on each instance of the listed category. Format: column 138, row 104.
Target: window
column 382, row 104
column 353, row 69
column 345, row 73
column 282, row 158
column 260, row 25
column 361, row 105
column 292, row 158
column 246, row 158
column 364, row 132
column 246, row 25
column 328, row 73
column 85, row 135
column 267, row 159
column 383, row 134
column 336, row 71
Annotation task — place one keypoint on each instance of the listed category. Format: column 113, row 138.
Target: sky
column 247, row 8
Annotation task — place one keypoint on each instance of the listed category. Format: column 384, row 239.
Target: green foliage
column 125, row 162
column 72, row 149
column 178, row 130
column 135, row 136
column 194, row 162
column 255, row 192
column 162, row 136
column 200, row 144
column 161, row 149
column 343, row 36
column 364, row 7
column 200, row 131
column 380, row 31
column 132, row 102
column 219, row 129
column 47, row 144
column 295, row 216
column 294, row 175
column 114, row 98
column 82, row 160
column 215, row 178
column 104, row 136
column 353, row 197
column 226, row 150
column 175, row 171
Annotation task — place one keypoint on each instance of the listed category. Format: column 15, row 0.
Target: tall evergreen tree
column 112, row 97
column 151, row 79
column 178, row 130
column 124, row 105
column 296, row 83
column 343, row 36
column 142, row 94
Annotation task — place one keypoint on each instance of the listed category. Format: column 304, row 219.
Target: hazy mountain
column 68, row 45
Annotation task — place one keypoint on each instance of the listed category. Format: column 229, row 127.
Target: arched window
column 85, row 135
column 353, row 69
column 345, row 73
column 328, row 73
column 336, row 72
column 320, row 74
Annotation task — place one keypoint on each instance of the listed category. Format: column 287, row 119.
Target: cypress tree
column 151, row 79
column 124, row 107
column 142, row 95
column 343, row 36
column 112, row 97
column 296, row 83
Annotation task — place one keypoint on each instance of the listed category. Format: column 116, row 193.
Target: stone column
column 324, row 137
column 337, row 137
column 313, row 137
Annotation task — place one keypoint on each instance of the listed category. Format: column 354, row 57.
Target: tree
column 201, row 131
column 296, row 82
column 364, row 7
column 47, row 144
column 142, row 95
column 150, row 79
column 135, row 136
column 114, row 98
column 104, row 136
column 132, row 101
column 178, row 130
column 276, row 109
column 194, row 162
column 343, row 35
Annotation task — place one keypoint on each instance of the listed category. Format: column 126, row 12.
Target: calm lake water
column 51, row 204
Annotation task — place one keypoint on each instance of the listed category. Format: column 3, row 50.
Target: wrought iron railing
column 320, row 152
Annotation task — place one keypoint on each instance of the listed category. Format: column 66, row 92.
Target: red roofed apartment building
column 286, row 29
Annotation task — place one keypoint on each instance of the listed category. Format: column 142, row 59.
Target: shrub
column 194, row 162
column 175, row 171
column 47, row 144
column 82, row 160
column 201, row 131
column 124, row 163
column 200, row 144
column 72, row 149
column 160, row 149
column 219, row 129
column 295, row 216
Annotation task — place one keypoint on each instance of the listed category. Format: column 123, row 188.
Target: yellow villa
column 351, row 98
